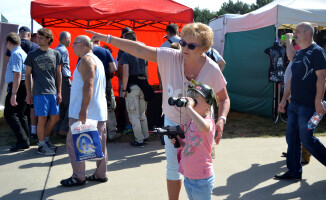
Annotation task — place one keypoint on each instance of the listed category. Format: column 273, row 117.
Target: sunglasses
column 191, row 46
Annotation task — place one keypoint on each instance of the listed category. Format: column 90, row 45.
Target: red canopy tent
column 147, row 18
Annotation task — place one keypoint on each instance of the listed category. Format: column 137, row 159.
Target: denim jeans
column 172, row 166
column 199, row 189
column 297, row 133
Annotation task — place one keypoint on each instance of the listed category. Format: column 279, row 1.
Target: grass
column 238, row 125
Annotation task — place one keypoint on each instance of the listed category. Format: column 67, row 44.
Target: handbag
column 86, row 139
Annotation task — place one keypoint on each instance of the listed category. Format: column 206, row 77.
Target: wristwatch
column 222, row 117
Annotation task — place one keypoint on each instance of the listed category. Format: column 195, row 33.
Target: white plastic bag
column 87, row 143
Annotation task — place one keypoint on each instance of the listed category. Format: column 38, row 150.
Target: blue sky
column 18, row 11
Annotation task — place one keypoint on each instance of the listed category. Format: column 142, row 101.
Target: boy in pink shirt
column 196, row 162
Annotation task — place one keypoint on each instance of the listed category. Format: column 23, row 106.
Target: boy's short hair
column 13, row 38
column 46, row 33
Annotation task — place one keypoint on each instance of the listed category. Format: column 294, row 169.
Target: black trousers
column 15, row 115
column 63, row 123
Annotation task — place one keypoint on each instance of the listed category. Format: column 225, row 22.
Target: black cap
column 125, row 30
column 205, row 90
column 24, row 29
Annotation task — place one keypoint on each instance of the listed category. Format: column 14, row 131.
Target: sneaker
column 137, row 144
column 45, row 150
column 50, row 145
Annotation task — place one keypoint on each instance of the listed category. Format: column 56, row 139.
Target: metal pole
column 32, row 26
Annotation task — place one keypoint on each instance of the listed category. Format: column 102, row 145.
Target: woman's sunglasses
column 191, row 46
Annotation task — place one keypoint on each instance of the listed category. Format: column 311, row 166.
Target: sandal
column 69, row 182
column 94, row 178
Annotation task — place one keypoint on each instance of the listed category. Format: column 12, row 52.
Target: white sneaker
column 45, row 150
column 50, row 145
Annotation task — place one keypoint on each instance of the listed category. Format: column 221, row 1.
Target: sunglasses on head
column 191, row 46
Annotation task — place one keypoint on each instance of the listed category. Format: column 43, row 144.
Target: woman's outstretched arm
column 134, row 48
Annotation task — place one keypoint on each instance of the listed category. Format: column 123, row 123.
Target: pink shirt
column 170, row 62
column 196, row 161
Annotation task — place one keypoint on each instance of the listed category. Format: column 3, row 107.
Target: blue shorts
column 45, row 105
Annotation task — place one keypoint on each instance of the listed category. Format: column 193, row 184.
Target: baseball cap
column 125, row 30
column 24, row 29
column 203, row 89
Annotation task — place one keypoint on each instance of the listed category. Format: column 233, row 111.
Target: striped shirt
column 16, row 64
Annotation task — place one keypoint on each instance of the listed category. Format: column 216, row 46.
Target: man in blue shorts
column 44, row 66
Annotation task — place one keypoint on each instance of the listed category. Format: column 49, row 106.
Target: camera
column 179, row 102
column 171, row 132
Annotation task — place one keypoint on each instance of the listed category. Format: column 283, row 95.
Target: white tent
column 244, row 41
column 284, row 14
column 219, row 28
column 280, row 13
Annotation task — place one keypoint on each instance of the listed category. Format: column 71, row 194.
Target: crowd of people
column 189, row 68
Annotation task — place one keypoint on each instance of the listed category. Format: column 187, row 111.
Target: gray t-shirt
column 44, row 65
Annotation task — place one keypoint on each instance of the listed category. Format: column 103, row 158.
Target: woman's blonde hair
column 200, row 31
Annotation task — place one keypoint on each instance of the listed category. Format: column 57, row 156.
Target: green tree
column 259, row 4
column 203, row 15
column 241, row 8
column 234, row 8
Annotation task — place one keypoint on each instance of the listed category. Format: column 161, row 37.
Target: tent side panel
column 247, row 70
column 154, row 39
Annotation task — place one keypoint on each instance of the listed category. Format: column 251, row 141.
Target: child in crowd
column 196, row 162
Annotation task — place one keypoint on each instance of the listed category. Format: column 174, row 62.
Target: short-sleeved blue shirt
column 65, row 60
column 105, row 56
column 16, row 64
column 304, row 66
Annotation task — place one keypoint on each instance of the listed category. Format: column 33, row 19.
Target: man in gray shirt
column 44, row 66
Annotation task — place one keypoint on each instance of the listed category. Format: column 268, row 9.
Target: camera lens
column 181, row 102
column 172, row 101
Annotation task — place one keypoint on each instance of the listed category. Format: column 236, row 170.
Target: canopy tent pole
column 32, row 25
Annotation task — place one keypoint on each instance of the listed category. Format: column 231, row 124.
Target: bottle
column 283, row 37
column 315, row 119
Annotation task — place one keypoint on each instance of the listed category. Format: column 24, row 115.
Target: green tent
column 247, row 70
column 242, row 39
